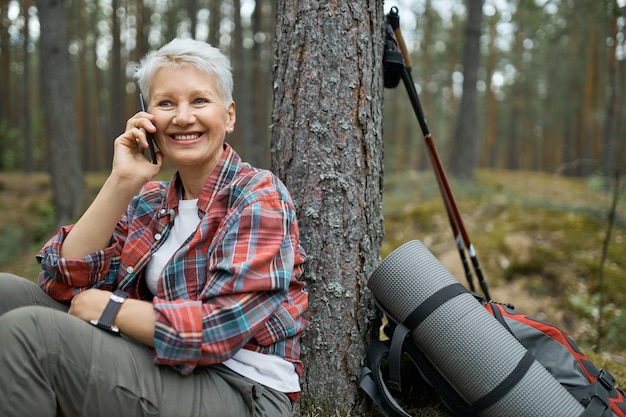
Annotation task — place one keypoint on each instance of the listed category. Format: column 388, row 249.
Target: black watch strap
column 107, row 319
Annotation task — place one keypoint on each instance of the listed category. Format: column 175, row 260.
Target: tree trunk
column 117, row 123
column 263, row 24
column 464, row 149
column 143, row 27
column 491, row 131
column 327, row 148
column 29, row 154
column 58, row 102
column 215, row 15
column 244, row 131
column 5, row 63
column 589, row 122
column 192, row 12
column 609, row 148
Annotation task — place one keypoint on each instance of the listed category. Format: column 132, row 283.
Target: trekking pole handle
column 394, row 20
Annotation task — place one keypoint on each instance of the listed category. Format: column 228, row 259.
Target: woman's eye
column 164, row 104
column 200, row 101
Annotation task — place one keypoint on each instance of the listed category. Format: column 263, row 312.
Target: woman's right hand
column 129, row 162
column 131, row 170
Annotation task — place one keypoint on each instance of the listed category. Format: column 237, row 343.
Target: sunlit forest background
column 551, row 123
column 550, row 85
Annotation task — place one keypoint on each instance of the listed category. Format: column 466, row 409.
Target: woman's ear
column 231, row 117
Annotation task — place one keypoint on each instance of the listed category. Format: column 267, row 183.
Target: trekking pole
column 400, row 62
column 393, row 67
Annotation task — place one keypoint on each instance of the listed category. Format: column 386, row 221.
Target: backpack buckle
column 606, row 379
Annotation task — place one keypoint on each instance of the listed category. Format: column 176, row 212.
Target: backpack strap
column 497, row 313
column 448, row 395
column 373, row 384
column 414, row 319
column 599, row 401
column 596, row 397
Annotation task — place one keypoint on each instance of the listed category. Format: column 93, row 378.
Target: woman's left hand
column 89, row 304
column 136, row 318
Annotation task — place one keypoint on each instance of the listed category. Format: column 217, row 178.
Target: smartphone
column 148, row 134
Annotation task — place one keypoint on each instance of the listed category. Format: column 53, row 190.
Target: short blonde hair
column 181, row 52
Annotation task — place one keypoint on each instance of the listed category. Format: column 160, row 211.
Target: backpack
column 481, row 358
column 559, row 354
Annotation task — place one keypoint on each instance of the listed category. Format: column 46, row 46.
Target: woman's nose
column 184, row 115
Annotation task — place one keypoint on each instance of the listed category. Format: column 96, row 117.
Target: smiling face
column 191, row 117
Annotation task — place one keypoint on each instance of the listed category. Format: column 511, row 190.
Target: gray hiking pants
column 53, row 364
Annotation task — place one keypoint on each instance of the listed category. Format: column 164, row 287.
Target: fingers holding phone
column 129, row 161
column 142, row 130
column 149, row 135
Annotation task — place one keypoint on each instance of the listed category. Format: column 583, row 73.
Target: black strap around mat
column 433, row 302
column 413, row 320
column 506, row 384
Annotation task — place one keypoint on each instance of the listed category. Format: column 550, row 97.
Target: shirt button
column 163, row 211
column 158, row 236
column 130, row 269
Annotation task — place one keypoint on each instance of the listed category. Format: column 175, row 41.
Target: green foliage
column 44, row 225
column 11, row 237
column 11, row 147
column 616, row 334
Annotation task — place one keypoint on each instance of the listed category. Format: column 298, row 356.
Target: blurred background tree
column 548, row 87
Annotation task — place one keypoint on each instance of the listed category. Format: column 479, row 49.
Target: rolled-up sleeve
column 63, row 278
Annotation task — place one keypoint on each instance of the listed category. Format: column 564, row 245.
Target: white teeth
column 185, row 137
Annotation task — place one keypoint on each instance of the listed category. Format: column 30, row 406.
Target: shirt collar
column 223, row 173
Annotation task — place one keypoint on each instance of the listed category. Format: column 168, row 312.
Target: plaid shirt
column 233, row 284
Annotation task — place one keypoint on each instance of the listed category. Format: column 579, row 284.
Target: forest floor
column 539, row 239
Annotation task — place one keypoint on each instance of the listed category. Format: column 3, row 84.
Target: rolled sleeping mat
column 466, row 344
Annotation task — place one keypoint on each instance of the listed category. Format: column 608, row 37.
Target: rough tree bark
column 58, row 105
column 327, row 147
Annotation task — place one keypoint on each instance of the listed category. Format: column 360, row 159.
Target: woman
column 199, row 275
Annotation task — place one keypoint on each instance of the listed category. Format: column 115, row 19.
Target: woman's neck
column 193, row 179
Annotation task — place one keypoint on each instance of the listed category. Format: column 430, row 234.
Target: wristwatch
column 105, row 322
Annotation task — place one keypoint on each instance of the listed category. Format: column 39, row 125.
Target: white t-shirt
column 269, row 370
column 185, row 224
